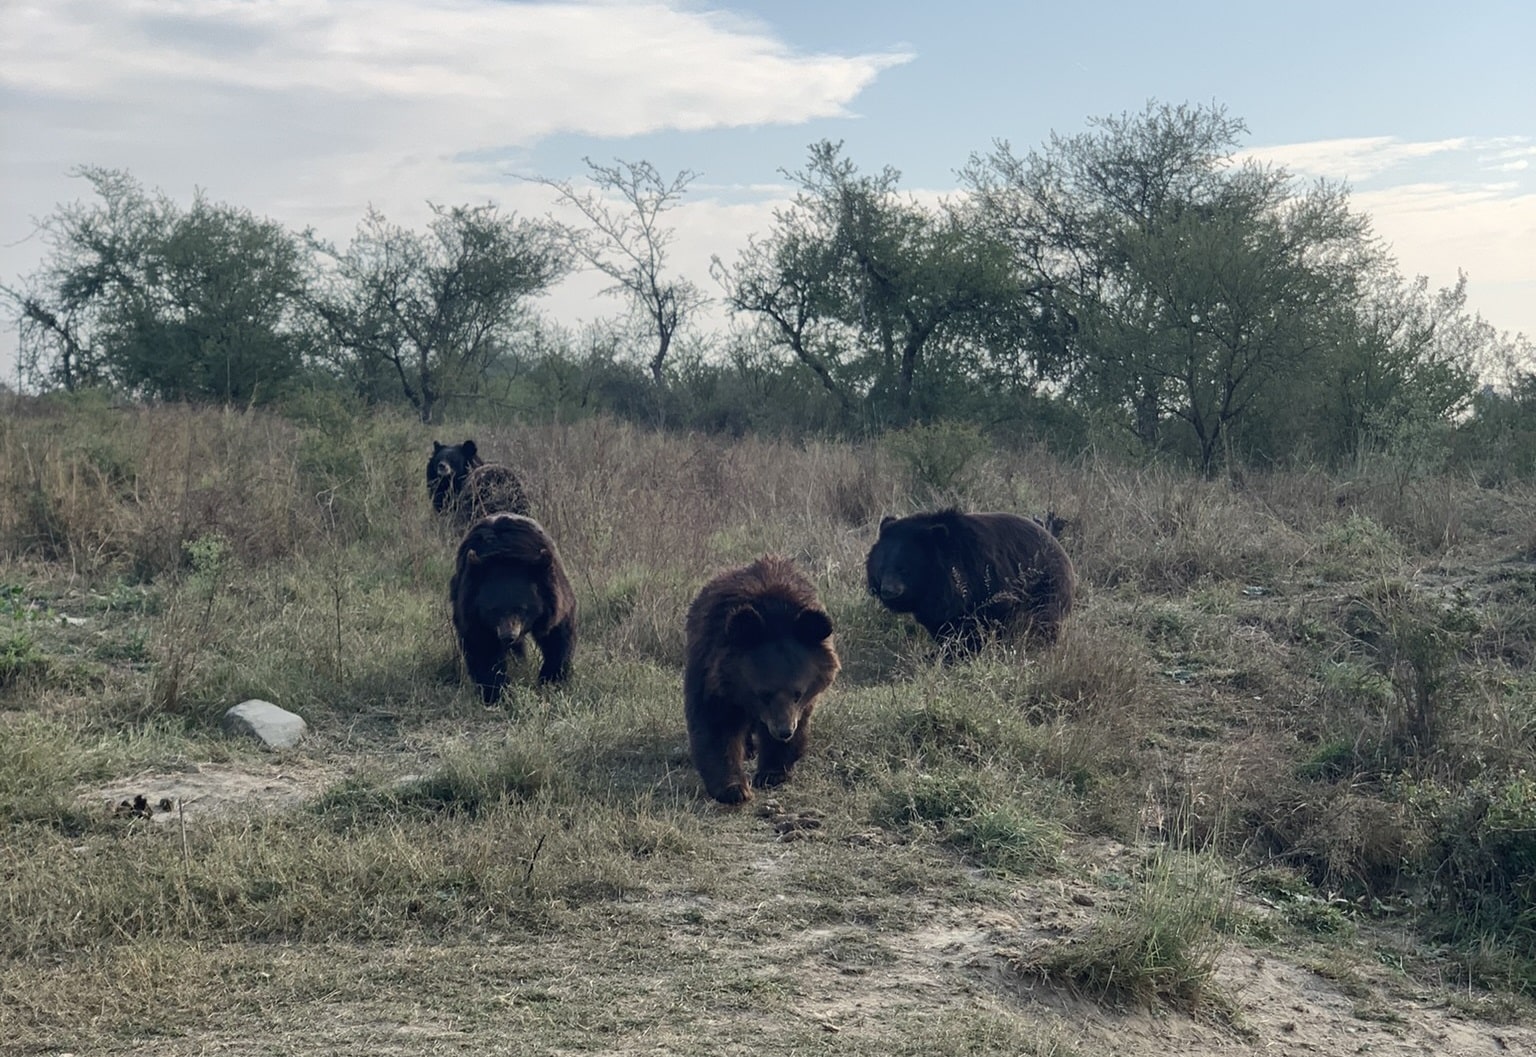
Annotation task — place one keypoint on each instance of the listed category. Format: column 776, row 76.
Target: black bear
column 963, row 576
column 508, row 584
column 760, row 652
column 467, row 487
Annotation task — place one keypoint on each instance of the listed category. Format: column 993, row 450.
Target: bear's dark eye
column 799, row 694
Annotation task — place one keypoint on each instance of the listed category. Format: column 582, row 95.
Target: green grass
column 1249, row 677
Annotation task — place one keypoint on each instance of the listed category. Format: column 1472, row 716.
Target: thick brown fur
column 760, row 653
column 967, row 576
column 508, row 584
column 492, row 489
column 466, row 487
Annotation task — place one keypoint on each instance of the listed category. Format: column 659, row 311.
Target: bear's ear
column 939, row 534
column 436, row 447
column 885, row 521
column 813, row 627
column 471, row 558
column 745, row 627
column 468, row 447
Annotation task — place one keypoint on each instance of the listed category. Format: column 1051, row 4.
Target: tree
column 627, row 243
column 1398, row 366
column 427, row 314
column 875, row 293
column 172, row 303
column 1185, row 281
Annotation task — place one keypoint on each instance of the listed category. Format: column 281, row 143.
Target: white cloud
column 1353, row 159
column 1488, row 231
column 310, row 110
column 329, row 102
column 1443, row 206
column 463, row 73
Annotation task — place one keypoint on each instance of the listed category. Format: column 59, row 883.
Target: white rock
column 274, row 727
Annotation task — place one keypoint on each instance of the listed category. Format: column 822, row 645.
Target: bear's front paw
column 734, row 793
column 774, row 776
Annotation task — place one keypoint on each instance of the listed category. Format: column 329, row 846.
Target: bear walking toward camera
column 759, row 654
column 464, row 485
column 508, row 585
column 963, row 576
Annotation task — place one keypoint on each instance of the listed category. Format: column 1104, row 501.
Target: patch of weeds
column 1354, row 682
column 1482, row 866
column 938, row 457
column 1329, row 762
column 136, row 599
column 185, row 636
column 15, row 604
column 1170, row 628
column 1324, row 917
column 1341, row 968
column 1355, row 542
column 938, row 730
column 465, row 783
column 134, row 649
column 20, row 658
column 1416, row 642
column 993, row 831
column 1248, row 926
column 1379, row 1012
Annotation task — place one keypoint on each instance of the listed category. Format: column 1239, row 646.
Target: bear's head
column 775, row 669
column 901, row 566
column 446, row 470
column 510, row 567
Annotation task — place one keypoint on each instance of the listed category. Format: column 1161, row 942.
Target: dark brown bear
column 759, row 654
column 508, row 584
column 966, row 576
column 467, row 487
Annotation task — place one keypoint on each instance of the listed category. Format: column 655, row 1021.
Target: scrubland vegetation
column 1293, row 715
column 1288, row 733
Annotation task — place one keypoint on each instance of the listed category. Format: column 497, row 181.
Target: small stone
column 274, row 727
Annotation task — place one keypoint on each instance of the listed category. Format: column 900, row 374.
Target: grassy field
column 1287, row 742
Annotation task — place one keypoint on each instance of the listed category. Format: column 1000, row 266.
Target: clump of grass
column 465, row 782
column 20, row 659
column 1157, row 947
column 41, row 759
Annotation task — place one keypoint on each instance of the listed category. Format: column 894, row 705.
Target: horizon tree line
column 1135, row 284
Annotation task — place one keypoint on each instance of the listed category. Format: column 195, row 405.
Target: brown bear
column 467, row 487
column 760, row 652
column 508, row 584
column 964, row 576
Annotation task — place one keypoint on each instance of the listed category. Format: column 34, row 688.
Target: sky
column 310, row 111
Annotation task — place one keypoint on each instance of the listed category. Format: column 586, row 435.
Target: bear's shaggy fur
column 467, row 487
column 760, row 652
column 964, row 576
column 508, row 584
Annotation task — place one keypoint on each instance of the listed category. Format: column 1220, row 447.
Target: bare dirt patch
column 201, row 790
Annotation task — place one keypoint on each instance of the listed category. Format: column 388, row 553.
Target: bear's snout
column 783, row 729
column 511, row 628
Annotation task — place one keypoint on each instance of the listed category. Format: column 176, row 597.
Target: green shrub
column 938, row 458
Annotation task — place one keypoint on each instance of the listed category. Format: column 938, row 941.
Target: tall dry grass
column 1283, row 668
